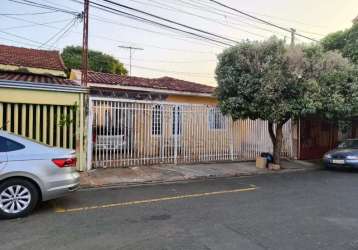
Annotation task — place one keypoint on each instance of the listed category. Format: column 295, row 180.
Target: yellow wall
column 74, row 75
column 192, row 99
column 45, row 102
column 38, row 96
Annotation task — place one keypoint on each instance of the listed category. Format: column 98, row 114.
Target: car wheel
column 18, row 198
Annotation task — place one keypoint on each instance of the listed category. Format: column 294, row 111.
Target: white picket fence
column 132, row 133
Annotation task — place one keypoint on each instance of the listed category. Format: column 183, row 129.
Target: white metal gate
column 131, row 133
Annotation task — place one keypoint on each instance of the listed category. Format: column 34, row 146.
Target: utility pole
column 83, row 117
column 293, row 33
column 84, row 71
column 131, row 49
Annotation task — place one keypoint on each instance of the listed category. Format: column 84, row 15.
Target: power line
column 171, row 21
column 21, row 37
column 312, row 33
column 259, row 14
column 33, row 23
column 239, row 22
column 287, row 20
column 261, row 20
column 224, row 14
column 137, row 18
column 44, row 6
column 27, row 14
column 202, row 39
column 106, row 38
column 145, row 20
column 154, row 46
column 192, row 74
column 63, row 30
column 155, row 32
column 220, row 12
column 16, row 41
column 170, row 61
column 106, row 20
column 102, row 19
column 165, row 6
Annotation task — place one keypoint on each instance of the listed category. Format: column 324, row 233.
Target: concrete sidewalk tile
column 173, row 173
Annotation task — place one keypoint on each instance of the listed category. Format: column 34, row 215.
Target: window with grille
column 177, row 120
column 216, row 119
column 157, row 120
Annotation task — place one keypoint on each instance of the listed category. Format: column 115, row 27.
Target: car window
column 349, row 144
column 7, row 145
column 29, row 139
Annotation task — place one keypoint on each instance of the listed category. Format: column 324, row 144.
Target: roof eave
column 164, row 91
column 42, row 86
column 32, row 70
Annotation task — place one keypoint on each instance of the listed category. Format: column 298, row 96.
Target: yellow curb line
column 63, row 210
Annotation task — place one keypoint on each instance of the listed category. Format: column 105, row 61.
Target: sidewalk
column 174, row 173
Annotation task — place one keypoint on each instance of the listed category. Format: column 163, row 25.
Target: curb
column 187, row 180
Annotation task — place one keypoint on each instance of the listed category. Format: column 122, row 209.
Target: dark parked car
column 345, row 155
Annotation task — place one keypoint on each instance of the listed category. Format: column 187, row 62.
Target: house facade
column 140, row 121
column 38, row 101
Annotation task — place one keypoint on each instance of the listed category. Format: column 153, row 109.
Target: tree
column 337, row 79
column 270, row 81
column 345, row 41
column 97, row 61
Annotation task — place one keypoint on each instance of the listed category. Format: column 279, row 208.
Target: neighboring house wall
column 51, row 115
column 192, row 99
column 38, row 101
column 38, row 96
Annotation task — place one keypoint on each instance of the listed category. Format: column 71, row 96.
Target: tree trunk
column 278, row 145
column 276, row 138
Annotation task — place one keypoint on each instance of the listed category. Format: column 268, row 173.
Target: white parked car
column 31, row 172
column 111, row 139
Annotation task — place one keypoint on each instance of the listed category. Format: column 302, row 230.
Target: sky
column 165, row 52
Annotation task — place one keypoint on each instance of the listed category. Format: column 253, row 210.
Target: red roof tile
column 164, row 83
column 23, row 57
column 41, row 79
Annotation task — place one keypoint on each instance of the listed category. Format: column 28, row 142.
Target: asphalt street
column 301, row 210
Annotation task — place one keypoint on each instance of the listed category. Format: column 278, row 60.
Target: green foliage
column 65, row 120
column 337, row 81
column 270, row 81
column 273, row 82
column 335, row 41
column 262, row 81
column 98, row 61
column 344, row 41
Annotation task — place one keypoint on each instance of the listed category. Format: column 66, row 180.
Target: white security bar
column 133, row 133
